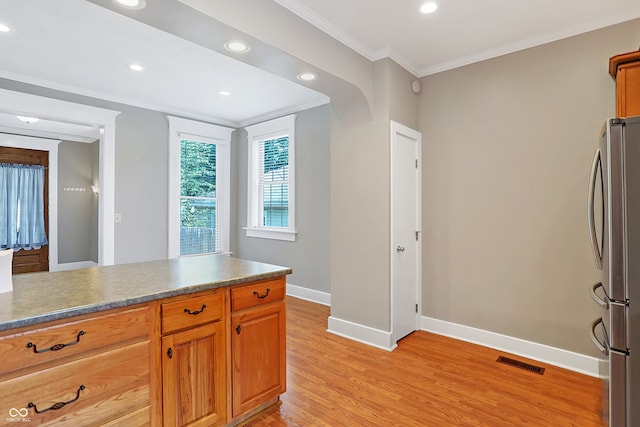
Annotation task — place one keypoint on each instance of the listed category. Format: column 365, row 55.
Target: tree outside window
column 198, row 223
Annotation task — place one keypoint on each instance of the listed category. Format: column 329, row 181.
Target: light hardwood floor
column 429, row 380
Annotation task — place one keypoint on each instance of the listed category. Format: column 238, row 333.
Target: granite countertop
column 41, row 297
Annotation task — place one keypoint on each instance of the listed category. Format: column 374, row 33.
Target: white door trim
column 399, row 129
column 55, row 109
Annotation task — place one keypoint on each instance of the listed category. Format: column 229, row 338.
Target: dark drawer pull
column 256, row 293
column 56, row 347
column 186, row 310
column 58, row 405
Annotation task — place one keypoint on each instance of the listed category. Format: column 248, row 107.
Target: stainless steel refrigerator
column 614, row 225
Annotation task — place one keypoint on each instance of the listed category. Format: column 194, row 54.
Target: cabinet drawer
column 257, row 293
column 44, row 344
column 190, row 312
column 139, row 418
column 90, row 391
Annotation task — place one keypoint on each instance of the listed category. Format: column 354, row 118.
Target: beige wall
column 403, row 102
column 360, row 211
column 507, row 146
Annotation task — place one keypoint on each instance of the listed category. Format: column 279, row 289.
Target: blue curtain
column 22, row 207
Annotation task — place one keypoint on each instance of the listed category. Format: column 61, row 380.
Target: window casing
column 199, row 188
column 271, row 179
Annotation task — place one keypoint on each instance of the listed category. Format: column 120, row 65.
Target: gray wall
column 77, row 224
column 308, row 256
column 508, row 145
column 141, row 164
column 141, row 185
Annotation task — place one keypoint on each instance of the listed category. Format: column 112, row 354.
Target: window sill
column 272, row 233
column 225, row 253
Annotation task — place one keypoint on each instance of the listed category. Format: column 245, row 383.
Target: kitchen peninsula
column 190, row 341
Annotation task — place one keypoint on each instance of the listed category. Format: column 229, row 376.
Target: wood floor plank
column 429, row 380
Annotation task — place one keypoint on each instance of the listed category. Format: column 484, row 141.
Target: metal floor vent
column 521, row 365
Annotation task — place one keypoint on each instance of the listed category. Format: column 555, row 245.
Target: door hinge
column 416, row 307
column 417, row 235
column 416, row 163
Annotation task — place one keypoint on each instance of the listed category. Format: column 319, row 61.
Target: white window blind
column 273, row 182
column 271, row 177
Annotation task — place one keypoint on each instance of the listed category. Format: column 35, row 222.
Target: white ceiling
column 460, row 31
column 80, row 47
column 9, row 123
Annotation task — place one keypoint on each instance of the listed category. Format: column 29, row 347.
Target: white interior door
column 405, row 229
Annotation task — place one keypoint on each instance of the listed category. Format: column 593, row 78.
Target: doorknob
column 400, row 248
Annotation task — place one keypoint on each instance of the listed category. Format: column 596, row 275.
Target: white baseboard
column 312, row 295
column 363, row 334
column 577, row 362
column 73, row 265
column 344, row 328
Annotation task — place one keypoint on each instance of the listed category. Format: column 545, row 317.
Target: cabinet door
column 628, row 90
column 259, row 355
column 194, row 379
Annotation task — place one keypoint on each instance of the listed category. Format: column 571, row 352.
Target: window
column 22, row 210
column 199, row 188
column 198, row 221
column 271, row 178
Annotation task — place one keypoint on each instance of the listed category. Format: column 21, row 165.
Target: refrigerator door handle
column 592, row 334
column 590, row 210
column 602, row 302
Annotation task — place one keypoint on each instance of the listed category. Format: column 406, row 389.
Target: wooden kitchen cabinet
column 625, row 69
column 87, row 370
column 193, row 348
column 258, row 344
column 143, row 345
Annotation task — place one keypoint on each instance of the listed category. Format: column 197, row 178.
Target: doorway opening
column 102, row 122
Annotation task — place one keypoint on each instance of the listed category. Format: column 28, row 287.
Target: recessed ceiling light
column 224, row 93
column 136, row 67
column 27, row 119
column 237, row 46
column 4, row 28
column 429, row 7
column 132, row 4
column 307, row 76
